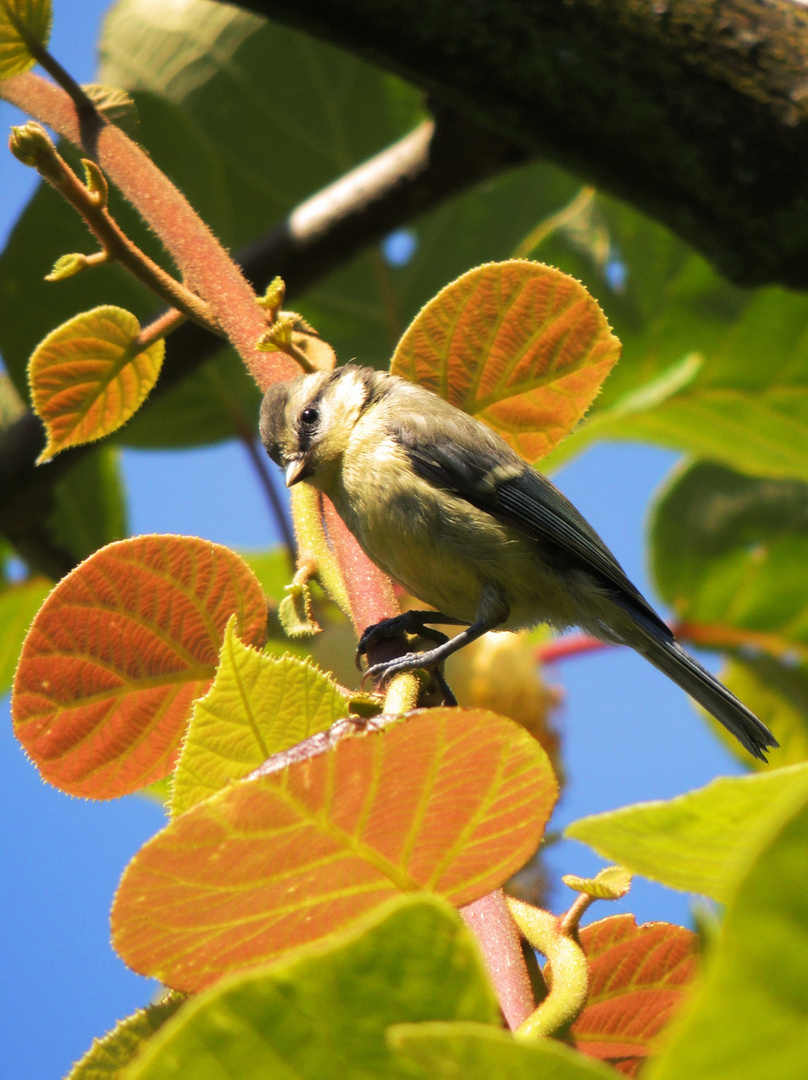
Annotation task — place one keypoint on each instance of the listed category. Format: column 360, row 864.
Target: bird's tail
column 712, row 695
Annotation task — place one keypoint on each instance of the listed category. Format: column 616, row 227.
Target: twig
column 31, row 144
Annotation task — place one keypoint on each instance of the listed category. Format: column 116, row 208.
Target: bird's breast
column 438, row 546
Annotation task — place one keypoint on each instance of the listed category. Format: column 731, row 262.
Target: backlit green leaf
column 108, row 1057
column 258, row 705
column 469, row 1051
column 700, row 841
column 18, row 605
column 749, row 1018
column 35, row 17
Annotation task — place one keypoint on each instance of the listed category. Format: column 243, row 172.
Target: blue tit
column 446, row 508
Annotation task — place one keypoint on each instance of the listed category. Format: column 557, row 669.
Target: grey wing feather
column 473, row 462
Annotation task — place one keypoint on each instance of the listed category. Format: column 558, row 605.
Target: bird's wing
column 467, row 458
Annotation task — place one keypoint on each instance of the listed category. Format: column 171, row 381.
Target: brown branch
column 695, row 112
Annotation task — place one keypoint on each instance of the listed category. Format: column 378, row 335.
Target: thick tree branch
column 696, row 111
column 433, row 162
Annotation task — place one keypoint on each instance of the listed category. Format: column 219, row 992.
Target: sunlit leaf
column 90, row 375
column 446, row 800
column 324, row 1011
column 36, row 17
column 18, row 606
column 119, row 651
column 469, row 1051
column 108, row 1057
column 258, row 706
column 612, row 883
column 701, row 841
column 749, row 1016
column 517, row 344
column 639, row 976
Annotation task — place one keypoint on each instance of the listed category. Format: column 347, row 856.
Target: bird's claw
column 408, row 622
column 382, row 674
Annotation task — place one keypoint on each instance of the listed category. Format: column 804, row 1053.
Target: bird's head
column 306, row 424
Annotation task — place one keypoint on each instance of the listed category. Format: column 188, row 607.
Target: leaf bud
column 31, row 144
column 68, row 265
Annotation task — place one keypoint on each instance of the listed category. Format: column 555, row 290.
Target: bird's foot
column 384, row 672
column 408, row 622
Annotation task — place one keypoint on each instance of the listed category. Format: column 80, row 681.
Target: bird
column 446, row 508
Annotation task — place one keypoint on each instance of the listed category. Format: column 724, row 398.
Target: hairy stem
column 495, row 930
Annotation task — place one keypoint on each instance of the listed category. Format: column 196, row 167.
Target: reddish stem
column 207, row 268
column 492, row 924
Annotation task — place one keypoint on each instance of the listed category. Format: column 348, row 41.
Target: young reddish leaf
column 119, row 651
column 447, row 800
column 258, row 706
column 36, row 16
column 88, row 376
column 517, row 344
column 639, row 976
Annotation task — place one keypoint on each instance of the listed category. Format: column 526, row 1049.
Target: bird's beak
column 296, row 470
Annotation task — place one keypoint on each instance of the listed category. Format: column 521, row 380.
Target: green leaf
column 35, row 17
column 108, row 1057
column 18, row 605
column 11, row 404
column 273, row 568
column 732, row 550
column 89, row 505
column 323, row 1011
column 469, row 1051
column 258, row 705
column 692, row 347
column 749, row 1017
column 701, row 841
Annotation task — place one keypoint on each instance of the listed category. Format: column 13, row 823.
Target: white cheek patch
column 351, row 393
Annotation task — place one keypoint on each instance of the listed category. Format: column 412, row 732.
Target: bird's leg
column 492, row 612
column 409, row 622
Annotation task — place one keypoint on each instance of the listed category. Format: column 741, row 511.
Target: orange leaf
column 88, row 376
column 448, row 800
column 517, row 344
column 639, row 976
column 117, row 654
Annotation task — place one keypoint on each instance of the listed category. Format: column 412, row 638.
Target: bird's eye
column 309, row 416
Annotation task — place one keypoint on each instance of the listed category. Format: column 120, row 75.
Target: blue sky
column 629, row 734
